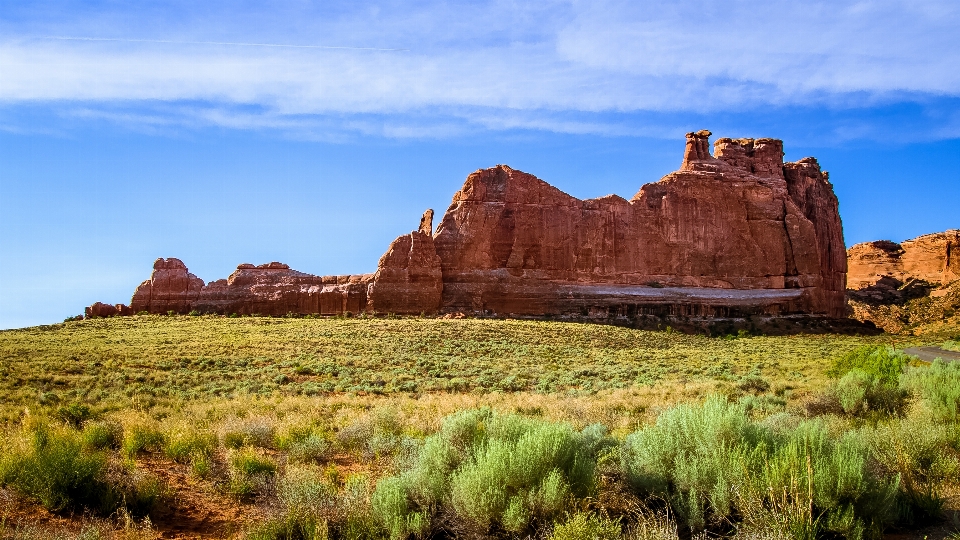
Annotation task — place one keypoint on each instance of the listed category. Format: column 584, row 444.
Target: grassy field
column 331, row 428
column 146, row 359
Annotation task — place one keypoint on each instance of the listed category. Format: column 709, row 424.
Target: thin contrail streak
column 279, row 45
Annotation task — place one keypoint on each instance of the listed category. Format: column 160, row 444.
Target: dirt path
column 929, row 354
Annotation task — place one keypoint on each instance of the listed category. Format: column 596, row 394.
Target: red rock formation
column 275, row 289
column 408, row 278
column 99, row 309
column 734, row 233
column 932, row 257
column 170, row 288
column 769, row 233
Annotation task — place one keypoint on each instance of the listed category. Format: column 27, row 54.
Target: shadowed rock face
column 732, row 233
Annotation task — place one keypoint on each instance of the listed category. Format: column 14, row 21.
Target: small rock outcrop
column 732, row 233
column 99, row 309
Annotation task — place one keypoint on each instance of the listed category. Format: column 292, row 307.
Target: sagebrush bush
column 250, row 471
column 487, row 471
column 259, row 432
column 919, row 450
column 312, row 507
column 140, row 438
column 377, row 436
column 75, row 414
column 884, row 363
column 289, row 527
column 861, row 393
column 141, row 492
column 937, row 386
column 712, row 463
column 693, row 456
column 53, row 467
column 102, row 435
column 186, row 446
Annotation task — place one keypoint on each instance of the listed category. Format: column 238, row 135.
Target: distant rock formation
column 106, row 310
column 732, row 234
column 934, row 258
column 903, row 287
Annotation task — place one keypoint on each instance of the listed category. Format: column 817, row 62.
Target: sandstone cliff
column 734, row 233
column 906, row 287
column 932, row 257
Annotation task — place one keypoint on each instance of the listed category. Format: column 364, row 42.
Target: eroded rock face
column 170, row 288
column 733, row 233
column 906, row 287
column 98, row 309
column 931, row 257
column 408, row 278
column 275, row 289
column 740, row 220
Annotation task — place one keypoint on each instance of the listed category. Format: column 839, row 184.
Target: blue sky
column 314, row 133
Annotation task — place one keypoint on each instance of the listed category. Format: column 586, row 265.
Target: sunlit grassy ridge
column 151, row 357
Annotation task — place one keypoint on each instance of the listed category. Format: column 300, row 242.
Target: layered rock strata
column 735, row 233
column 731, row 234
column 934, row 258
column 905, row 287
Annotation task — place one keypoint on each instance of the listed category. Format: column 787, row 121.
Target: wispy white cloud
column 499, row 65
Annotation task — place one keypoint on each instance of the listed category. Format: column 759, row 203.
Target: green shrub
column 692, row 456
column 917, row 449
column 868, row 385
column 186, row 446
column 587, row 527
column 937, row 386
column 201, row 464
column 396, row 512
column 817, row 483
column 488, row 471
column 861, row 393
column 250, row 471
column 378, row 436
column 884, row 363
column 951, row 345
column 258, row 432
column 305, row 490
column 315, row 448
column 142, row 493
column 141, row 438
column 102, row 435
column 290, row 527
column 711, row 463
column 52, row 467
column 75, row 414
column 249, row 463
